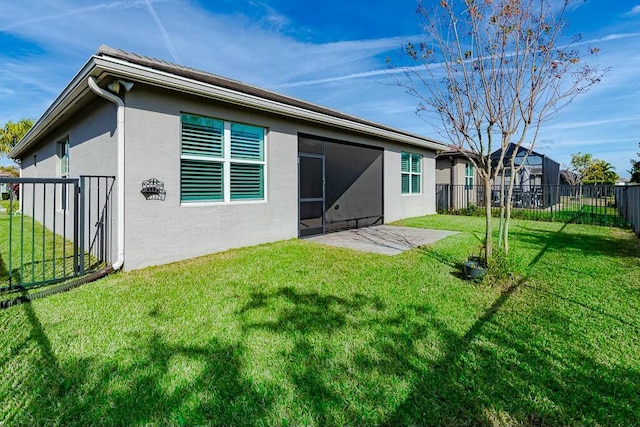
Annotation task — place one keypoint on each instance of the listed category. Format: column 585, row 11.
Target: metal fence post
column 76, row 222
column 81, row 223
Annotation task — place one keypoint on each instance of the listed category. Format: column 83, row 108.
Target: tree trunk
column 505, row 242
column 488, row 238
column 512, row 179
column 502, row 210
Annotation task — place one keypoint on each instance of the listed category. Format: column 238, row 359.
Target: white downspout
column 119, row 168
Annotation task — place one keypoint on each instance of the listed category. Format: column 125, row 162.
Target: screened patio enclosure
column 536, row 180
column 340, row 185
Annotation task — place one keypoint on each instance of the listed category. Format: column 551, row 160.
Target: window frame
column 63, row 149
column 411, row 173
column 227, row 160
column 469, row 179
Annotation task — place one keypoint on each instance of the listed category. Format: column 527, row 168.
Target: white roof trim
column 98, row 65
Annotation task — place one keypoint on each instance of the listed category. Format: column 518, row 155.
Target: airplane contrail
column 77, row 11
column 163, row 32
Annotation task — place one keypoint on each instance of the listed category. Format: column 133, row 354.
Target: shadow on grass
column 584, row 244
column 92, row 391
column 8, row 278
column 471, row 383
column 352, row 359
column 349, row 361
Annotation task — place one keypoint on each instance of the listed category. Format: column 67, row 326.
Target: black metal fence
column 586, row 204
column 628, row 200
column 53, row 229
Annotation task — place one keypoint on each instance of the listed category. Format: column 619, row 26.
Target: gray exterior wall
column 159, row 232
column 443, row 170
column 450, row 170
column 92, row 151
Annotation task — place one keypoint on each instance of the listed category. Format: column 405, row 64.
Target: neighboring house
column 240, row 165
column 457, row 180
column 5, row 189
column 537, row 180
column 454, row 167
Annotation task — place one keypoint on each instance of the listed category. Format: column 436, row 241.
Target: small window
column 63, row 172
column 63, row 157
column 221, row 161
column 468, row 176
column 411, row 173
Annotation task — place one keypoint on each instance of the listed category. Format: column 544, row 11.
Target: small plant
column 502, row 270
column 13, row 207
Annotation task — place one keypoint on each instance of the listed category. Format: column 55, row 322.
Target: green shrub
column 503, row 270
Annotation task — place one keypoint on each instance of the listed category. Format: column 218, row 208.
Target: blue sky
column 330, row 53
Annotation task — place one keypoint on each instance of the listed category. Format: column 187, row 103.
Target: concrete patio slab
column 382, row 239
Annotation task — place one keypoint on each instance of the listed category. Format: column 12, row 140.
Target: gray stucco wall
column 443, row 170
column 451, row 170
column 159, row 232
column 92, row 151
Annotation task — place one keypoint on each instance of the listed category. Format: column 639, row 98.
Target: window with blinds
column 221, row 161
column 411, row 171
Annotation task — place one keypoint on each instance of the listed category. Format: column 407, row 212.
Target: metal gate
column 54, row 229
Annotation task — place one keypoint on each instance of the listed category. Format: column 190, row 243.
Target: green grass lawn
column 27, row 255
column 573, row 212
column 295, row 333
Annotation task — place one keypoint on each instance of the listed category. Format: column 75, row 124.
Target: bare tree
column 488, row 74
column 569, row 176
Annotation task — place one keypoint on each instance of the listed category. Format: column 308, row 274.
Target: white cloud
column 260, row 47
column 594, row 123
column 635, row 10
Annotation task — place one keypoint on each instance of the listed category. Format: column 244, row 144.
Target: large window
column 221, row 161
column 468, row 176
column 411, row 173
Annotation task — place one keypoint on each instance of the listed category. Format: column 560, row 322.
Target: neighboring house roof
column 453, row 151
column 109, row 64
column 521, row 151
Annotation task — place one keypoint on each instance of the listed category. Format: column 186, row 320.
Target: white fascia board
column 163, row 79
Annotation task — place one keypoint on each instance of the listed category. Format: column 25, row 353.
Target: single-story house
column 5, row 189
column 454, row 167
column 457, row 182
column 227, row 164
